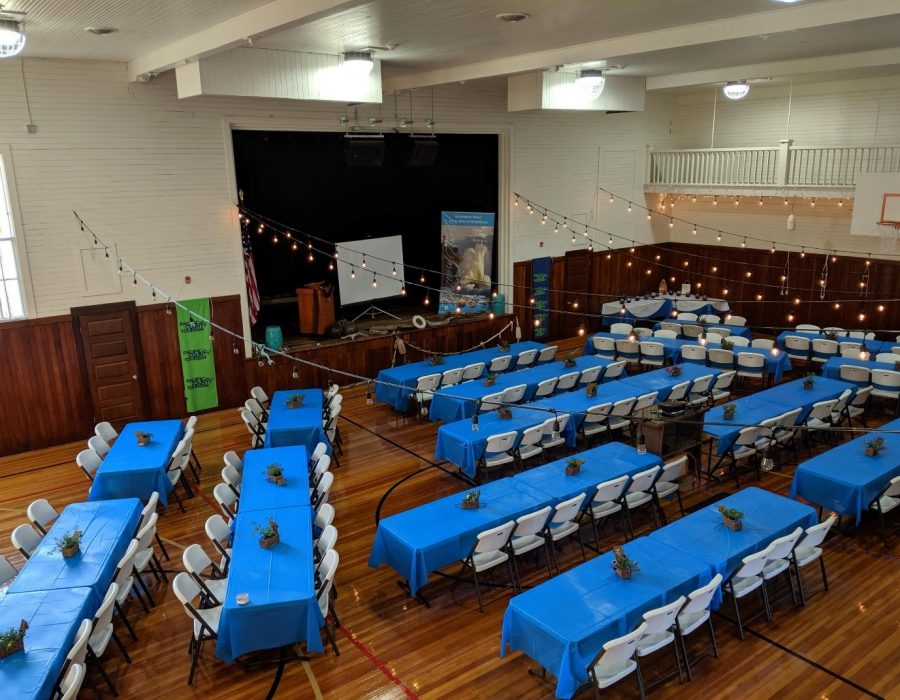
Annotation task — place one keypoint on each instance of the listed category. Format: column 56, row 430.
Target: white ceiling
column 675, row 43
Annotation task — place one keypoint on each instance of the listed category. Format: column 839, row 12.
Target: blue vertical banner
column 467, row 241
column 540, row 291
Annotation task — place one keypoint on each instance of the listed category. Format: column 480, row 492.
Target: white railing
column 783, row 166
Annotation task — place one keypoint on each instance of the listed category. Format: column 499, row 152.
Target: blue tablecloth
column 257, row 493
column 107, row 528
column 408, row 375
column 564, row 622
column 609, row 461
column 775, row 366
column 742, row 331
column 671, row 347
column 874, row 346
column 661, row 307
column 130, row 471
column 53, row 620
column 437, row 534
column 458, row 402
column 844, row 479
column 753, row 409
column 576, row 403
column 832, row 367
column 660, row 380
column 296, row 426
column 704, row 536
column 283, row 609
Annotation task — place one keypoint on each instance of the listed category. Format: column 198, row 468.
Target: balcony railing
column 782, row 167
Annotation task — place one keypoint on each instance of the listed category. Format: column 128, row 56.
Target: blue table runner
column 296, row 426
column 257, row 493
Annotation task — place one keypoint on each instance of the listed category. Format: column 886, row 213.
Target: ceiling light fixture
column 512, row 16
column 591, row 80
column 12, row 38
column 358, row 63
column 736, row 89
column 100, row 31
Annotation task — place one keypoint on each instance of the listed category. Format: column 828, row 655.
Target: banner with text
column 540, row 291
column 197, row 363
column 467, row 240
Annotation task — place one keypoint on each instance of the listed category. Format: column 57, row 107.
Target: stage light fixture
column 12, row 38
column 736, row 89
column 358, row 63
column 591, row 80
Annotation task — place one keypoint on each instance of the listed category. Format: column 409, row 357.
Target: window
column 12, row 302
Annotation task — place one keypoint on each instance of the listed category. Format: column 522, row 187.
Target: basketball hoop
column 888, row 230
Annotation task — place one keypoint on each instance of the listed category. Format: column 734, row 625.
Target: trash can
column 274, row 338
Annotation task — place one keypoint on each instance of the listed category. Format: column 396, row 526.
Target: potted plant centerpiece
column 275, row 475
column 69, row 543
column 573, row 466
column 143, row 439
column 831, row 335
column 727, row 344
column 569, row 361
column 294, row 401
column 732, row 518
column 490, row 380
column 503, row 344
column 622, row 564
column 674, row 370
column 728, row 411
column 504, row 412
column 591, row 390
column 472, row 500
column 437, row 359
column 808, row 381
column 875, row 446
column 13, row 639
column 268, row 533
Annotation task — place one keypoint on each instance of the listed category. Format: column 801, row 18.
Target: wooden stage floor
column 844, row 644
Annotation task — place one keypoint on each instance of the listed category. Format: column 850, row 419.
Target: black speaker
column 364, row 153
column 424, row 151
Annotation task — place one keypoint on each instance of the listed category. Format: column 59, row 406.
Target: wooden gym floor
column 844, row 644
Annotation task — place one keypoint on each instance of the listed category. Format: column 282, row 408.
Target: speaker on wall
column 364, row 152
column 424, row 150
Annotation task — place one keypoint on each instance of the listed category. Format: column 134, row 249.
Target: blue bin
column 498, row 304
column 274, row 338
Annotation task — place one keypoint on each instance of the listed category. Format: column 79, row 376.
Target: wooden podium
column 315, row 302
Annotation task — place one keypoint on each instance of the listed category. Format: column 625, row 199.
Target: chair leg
column 162, row 546
column 684, row 651
column 178, row 500
column 139, row 579
column 103, row 673
column 680, row 504
column 822, row 565
column 477, row 589
column 121, row 647
column 195, row 655
column 677, row 657
column 737, row 614
column 712, row 637
column 640, row 678
column 137, row 594
column 124, row 619
column 765, row 598
column 799, row 583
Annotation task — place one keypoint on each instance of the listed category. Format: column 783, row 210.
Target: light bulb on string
column 785, row 201
column 134, row 280
column 422, row 277
column 311, row 257
column 629, row 206
column 295, row 374
column 516, row 203
column 234, row 349
column 671, row 223
column 153, row 293
column 556, row 228
column 802, row 253
column 581, row 330
column 648, row 214
column 287, row 234
column 275, row 238
column 573, row 238
column 330, row 266
column 837, row 306
column 881, row 307
column 715, row 200
column 737, row 200
column 840, row 202
column 427, row 300
column 121, row 268
column 374, row 281
column 543, row 219
column 632, row 247
column 537, row 322
column 610, row 242
column 694, row 199
column 565, row 222
column 491, row 315
column 106, row 251
column 772, row 250
column 744, row 243
column 694, row 230
column 719, row 236
column 352, row 272
column 813, row 202
column 611, row 199
column 364, row 261
column 294, row 245
column 760, row 201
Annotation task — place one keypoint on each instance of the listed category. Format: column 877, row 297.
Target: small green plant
column 503, row 344
column 294, row 400
column 622, row 564
column 266, row 531
column 727, row 344
column 573, row 466
column 591, row 389
column 808, row 380
column 274, row 470
column 143, row 438
column 569, row 360
column 437, row 359
column 674, row 370
column 13, row 639
column 875, row 446
column 472, row 499
column 728, row 411
column 831, row 335
column 68, row 543
column 731, row 513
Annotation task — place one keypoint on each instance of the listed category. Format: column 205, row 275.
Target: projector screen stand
column 373, row 311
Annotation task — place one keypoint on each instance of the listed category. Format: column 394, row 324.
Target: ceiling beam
column 278, row 15
column 773, row 21
column 784, row 69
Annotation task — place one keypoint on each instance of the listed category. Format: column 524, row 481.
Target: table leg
column 404, row 584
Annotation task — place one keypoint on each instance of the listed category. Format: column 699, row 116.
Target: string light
column 715, row 200
column 422, row 277
column 648, row 214
column 760, row 201
column 772, row 251
column 374, row 281
column 275, row 238
column 427, row 300
column 719, row 237
column 744, row 243
column 364, row 261
column 694, row 231
column 813, row 202
column 840, row 202
column 671, row 223
column 352, row 272
column 629, row 206
column 611, row 199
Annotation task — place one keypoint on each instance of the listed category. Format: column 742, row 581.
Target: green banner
column 197, row 363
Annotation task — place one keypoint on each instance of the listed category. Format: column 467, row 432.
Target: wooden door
column 110, row 349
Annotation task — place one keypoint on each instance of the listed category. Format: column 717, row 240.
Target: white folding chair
column 7, row 571
column 686, row 316
column 564, row 523
column 619, row 414
column 595, row 421
column 849, row 349
column 322, row 490
column 652, row 354
column 667, row 483
column 823, row 350
column 739, row 341
column 834, row 329
column 744, row 581
column 700, row 389
column 640, row 493
column 545, row 388
column 669, row 326
column 547, row 354
column 227, row 500
column 709, row 318
column 604, row 347
column 567, row 381
column 324, row 516
column 526, row 358
column 762, row 343
column 530, row 445
column 780, row 558
column 819, row 421
column 98, row 445
column 553, row 432
column 617, row 661
column 472, row 371
column 797, row 347
column 660, row 631
column 721, row 390
column 219, row 534
column 736, row 320
column 808, row 327
column 591, row 375
column 856, row 374
column 640, row 332
column 258, row 411
column 204, row 621
column 695, row 354
column 720, row 359
column 103, row 632
column 491, row 402
column 498, row 451
column 514, row 394
column 145, row 558
column 71, row 682
column 89, row 462
column 106, row 432
column 679, row 391
column 500, row 364
column 254, row 427
column 26, row 540
column 665, row 333
column 689, row 330
column 719, row 330
column 744, row 447
column 260, row 395
column 213, row 586
column 424, row 391
column 124, row 578
column 452, row 377
column 628, row 350
column 41, row 514
column 886, row 385
column 695, row 613
column 621, row 328
column 751, row 365
column 607, row 500
column 885, row 502
column 614, row 370
column 526, row 537
column 809, row 549
column 491, row 549
column 857, row 406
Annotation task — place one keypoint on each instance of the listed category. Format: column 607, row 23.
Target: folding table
column 296, row 426
column 258, row 493
column 132, row 471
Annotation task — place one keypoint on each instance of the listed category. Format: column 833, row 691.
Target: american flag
column 250, row 275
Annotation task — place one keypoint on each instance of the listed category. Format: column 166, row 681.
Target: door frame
column 77, row 313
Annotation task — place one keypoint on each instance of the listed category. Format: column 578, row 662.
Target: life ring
column 419, row 322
